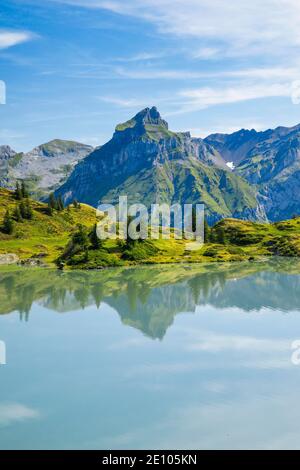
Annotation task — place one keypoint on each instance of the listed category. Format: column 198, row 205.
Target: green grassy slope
column 230, row 240
column 43, row 234
column 47, row 236
column 189, row 181
column 281, row 238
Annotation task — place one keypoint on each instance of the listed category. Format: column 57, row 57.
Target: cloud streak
column 195, row 99
column 263, row 73
column 267, row 34
column 14, row 412
column 201, row 98
column 13, row 38
column 244, row 26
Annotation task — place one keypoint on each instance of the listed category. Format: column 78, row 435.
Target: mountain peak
column 142, row 121
column 59, row 148
column 151, row 116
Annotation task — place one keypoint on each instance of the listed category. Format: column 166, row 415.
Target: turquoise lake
column 164, row 357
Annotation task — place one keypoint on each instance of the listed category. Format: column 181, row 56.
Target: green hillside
column 43, row 235
column 189, row 181
column 57, row 239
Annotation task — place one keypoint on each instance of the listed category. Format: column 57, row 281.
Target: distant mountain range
column 248, row 174
column 44, row 168
column 270, row 162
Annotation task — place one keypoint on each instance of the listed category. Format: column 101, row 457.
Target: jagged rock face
column 147, row 162
column 44, row 168
column 6, row 152
column 6, row 156
column 234, row 147
column 270, row 161
column 239, row 145
column 280, row 197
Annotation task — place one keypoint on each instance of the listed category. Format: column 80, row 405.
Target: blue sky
column 75, row 68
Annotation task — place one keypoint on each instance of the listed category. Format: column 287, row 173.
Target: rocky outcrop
column 8, row 258
column 6, row 157
column 33, row 262
column 6, row 152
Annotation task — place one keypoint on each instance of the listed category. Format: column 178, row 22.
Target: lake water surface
column 179, row 357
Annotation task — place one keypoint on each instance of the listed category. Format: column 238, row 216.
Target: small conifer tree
column 24, row 190
column 18, row 191
column 8, row 224
column 81, row 238
column 28, row 210
column 221, row 235
column 206, row 232
column 52, row 201
column 17, row 214
column 94, row 239
column 60, row 204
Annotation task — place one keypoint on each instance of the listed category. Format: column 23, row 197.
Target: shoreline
column 133, row 265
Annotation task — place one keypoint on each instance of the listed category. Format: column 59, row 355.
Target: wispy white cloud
column 12, row 38
column 242, row 25
column 266, row 32
column 201, row 98
column 194, row 99
column 213, row 342
column 156, row 74
column 200, row 30
column 12, row 412
column 142, row 57
column 206, row 53
column 123, row 103
column 262, row 73
column 2, row 92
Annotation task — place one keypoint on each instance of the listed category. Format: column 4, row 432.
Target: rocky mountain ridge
column 149, row 163
column 270, row 162
column 248, row 174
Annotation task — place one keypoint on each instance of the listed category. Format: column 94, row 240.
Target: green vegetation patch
column 66, row 236
column 126, row 125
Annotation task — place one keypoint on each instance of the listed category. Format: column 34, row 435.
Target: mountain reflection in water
column 148, row 298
